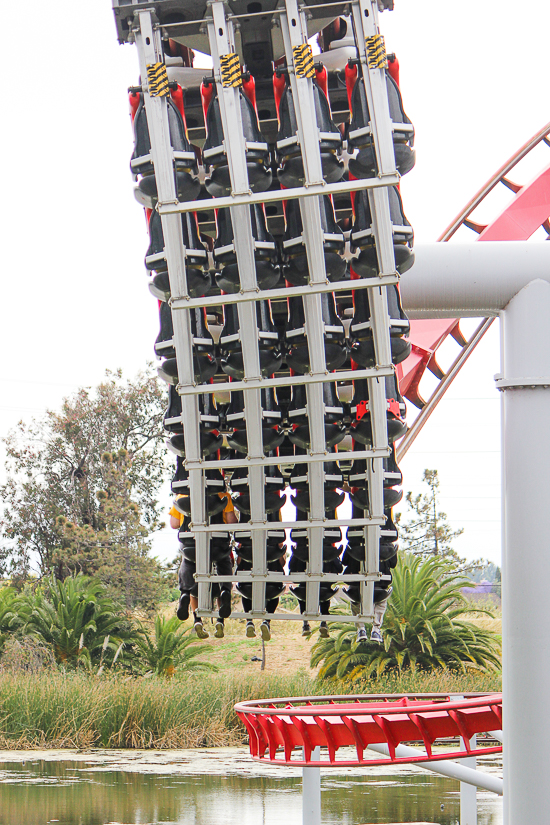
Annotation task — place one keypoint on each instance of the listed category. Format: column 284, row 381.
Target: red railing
column 279, row 727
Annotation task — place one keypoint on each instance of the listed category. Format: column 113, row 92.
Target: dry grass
column 74, row 710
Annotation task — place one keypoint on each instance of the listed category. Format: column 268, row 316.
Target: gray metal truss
column 222, row 41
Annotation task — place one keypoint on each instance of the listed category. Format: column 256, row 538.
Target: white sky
column 474, row 78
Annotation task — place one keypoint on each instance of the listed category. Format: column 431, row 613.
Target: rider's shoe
column 250, row 629
column 225, row 604
column 219, row 633
column 182, row 611
column 361, row 635
column 265, row 630
column 376, row 636
column 306, row 629
column 199, row 629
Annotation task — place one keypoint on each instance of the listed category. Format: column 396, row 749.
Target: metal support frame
column 149, row 47
column 454, row 770
column 219, row 25
column 294, row 31
column 468, row 795
column 365, row 22
column 221, row 37
column 311, row 793
column 526, row 524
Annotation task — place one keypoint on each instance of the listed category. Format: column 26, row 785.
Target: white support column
column 468, row 793
column 525, row 383
column 311, row 792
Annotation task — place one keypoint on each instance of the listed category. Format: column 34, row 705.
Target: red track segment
column 277, row 726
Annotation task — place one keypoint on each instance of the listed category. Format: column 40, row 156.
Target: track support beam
column 526, row 528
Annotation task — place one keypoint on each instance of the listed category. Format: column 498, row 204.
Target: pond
column 217, row 787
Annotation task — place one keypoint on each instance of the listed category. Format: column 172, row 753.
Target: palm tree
column 78, row 620
column 423, row 629
column 171, row 647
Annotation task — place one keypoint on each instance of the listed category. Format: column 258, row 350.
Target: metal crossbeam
column 169, row 207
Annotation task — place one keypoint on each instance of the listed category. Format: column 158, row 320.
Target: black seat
column 210, row 438
column 291, row 168
column 299, row 432
column 297, row 351
column 185, row 162
column 265, row 251
column 361, row 428
column 219, row 546
column 333, row 482
column 274, row 485
column 215, row 484
column 299, row 559
column 231, row 353
column 359, row 484
column 364, row 165
column 272, row 433
column 295, row 263
column 204, row 359
column 361, row 334
column 362, row 235
column 275, row 538
column 199, row 280
column 218, row 181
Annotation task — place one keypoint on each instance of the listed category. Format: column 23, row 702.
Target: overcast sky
column 474, row 78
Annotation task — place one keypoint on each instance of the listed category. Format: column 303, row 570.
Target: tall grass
column 74, row 710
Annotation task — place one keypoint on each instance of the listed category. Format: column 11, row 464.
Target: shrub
column 80, row 623
column 423, row 629
column 171, row 646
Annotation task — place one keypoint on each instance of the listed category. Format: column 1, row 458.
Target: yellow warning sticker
column 303, row 61
column 157, row 78
column 376, row 52
column 231, row 70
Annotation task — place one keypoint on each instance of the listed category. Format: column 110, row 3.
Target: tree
column 55, row 469
column 170, row 647
column 117, row 551
column 427, row 532
column 424, row 628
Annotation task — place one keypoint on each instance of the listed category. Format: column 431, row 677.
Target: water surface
column 211, row 787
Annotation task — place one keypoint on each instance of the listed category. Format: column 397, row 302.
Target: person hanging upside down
column 186, row 575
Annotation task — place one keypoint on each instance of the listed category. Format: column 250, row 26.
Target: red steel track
column 528, row 210
column 277, row 727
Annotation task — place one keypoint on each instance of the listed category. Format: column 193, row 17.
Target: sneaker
column 225, row 604
column 323, row 630
column 306, row 629
column 182, row 610
column 219, row 634
column 265, row 630
column 199, row 629
column 376, row 636
column 250, row 629
column 361, row 635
